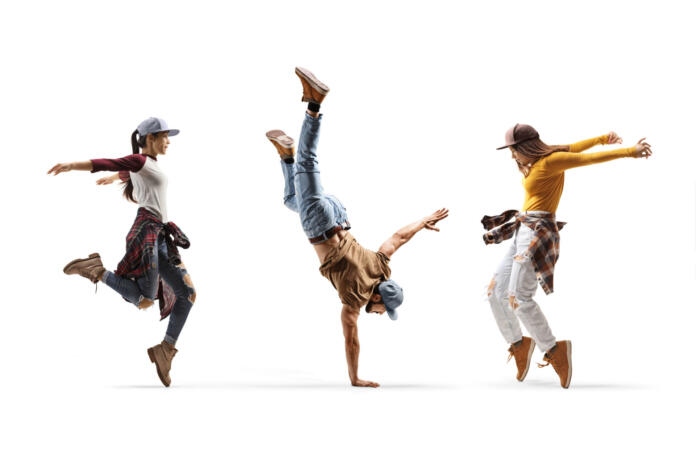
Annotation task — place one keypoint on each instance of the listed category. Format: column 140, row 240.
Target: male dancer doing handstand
column 360, row 276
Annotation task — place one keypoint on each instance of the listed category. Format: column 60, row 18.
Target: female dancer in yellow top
column 534, row 250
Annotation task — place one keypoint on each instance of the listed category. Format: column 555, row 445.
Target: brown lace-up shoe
column 313, row 90
column 560, row 358
column 162, row 356
column 522, row 352
column 90, row 268
column 283, row 143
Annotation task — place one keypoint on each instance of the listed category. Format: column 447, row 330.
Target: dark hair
column 368, row 306
column 531, row 151
column 137, row 142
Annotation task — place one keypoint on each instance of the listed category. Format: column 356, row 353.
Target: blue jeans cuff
column 312, row 118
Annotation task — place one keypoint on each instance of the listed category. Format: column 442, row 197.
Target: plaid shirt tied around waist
column 141, row 244
column 544, row 249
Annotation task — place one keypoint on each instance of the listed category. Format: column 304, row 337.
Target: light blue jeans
column 146, row 287
column 516, row 277
column 304, row 193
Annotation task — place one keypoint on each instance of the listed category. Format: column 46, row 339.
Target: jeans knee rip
column 513, row 302
column 491, row 287
column 144, row 303
column 191, row 289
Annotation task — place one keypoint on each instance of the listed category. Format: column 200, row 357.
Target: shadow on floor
column 285, row 386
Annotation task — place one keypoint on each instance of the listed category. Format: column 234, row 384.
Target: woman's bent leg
column 141, row 292
column 523, row 285
column 178, row 278
column 497, row 297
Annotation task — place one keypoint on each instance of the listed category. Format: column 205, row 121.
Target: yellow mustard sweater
column 544, row 184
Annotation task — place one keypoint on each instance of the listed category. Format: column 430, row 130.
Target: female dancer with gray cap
column 535, row 247
column 152, row 268
column 360, row 276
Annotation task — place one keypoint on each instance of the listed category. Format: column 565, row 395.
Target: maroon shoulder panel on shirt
column 130, row 163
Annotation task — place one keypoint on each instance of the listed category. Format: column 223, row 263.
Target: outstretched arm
column 405, row 234
column 131, row 163
column 74, row 166
column 560, row 161
column 109, row 179
column 349, row 319
column 606, row 139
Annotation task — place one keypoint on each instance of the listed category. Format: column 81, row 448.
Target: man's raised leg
column 286, row 149
column 308, row 180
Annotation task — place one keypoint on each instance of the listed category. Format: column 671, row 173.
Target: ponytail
column 136, row 144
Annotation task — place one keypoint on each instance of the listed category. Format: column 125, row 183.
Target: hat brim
column 170, row 132
column 517, row 142
column 393, row 315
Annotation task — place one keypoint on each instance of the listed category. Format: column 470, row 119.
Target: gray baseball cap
column 154, row 125
column 392, row 297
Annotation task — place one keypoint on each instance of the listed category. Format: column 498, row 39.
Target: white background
column 421, row 94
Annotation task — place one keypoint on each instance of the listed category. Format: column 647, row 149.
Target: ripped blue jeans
column 304, row 192
column 146, row 287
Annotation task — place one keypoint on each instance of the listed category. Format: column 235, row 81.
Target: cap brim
column 172, row 132
column 393, row 315
column 518, row 141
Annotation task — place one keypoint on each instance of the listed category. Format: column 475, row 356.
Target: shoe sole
column 311, row 79
column 529, row 360
column 151, row 354
column 281, row 138
column 67, row 269
column 569, row 352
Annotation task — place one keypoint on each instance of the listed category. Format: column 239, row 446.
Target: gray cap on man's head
column 153, row 126
column 392, row 297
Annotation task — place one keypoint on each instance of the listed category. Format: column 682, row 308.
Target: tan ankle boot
column 283, row 143
column 162, row 356
column 560, row 358
column 522, row 352
column 313, row 90
column 90, row 268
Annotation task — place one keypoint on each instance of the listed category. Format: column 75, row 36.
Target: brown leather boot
column 162, row 356
column 560, row 358
column 313, row 90
column 522, row 352
column 90, row 268
column 283, row 143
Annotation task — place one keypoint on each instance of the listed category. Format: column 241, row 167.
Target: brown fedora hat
column 519, row 133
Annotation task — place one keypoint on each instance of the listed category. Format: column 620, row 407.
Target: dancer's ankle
column 313, row 109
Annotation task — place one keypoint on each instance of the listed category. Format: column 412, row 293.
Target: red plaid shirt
column 545, row 246
column 140, row 245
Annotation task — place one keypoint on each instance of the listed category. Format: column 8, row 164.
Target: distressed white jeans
column 511, row 295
